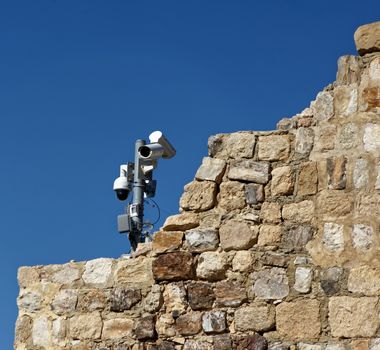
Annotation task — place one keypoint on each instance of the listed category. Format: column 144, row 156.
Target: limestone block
column 249, row 170
column 304, row 141
column 92, row 300
column 349, row 136
column 361, row 174
column 362, row 236
column 274, row 147
column 181, row 222
column 98, row 272
column 325, row 137
column 192, row 344
column 282, row 181
column 231, row 195
column 369, row 99
column 236, row 235
column 333, row 239
column 353, row 317
column 298, row 212
column 189, row 324
column 336, row 172
column 135, row 272
column 254, row 193
column 371, row 138
column 117, row 328
column 304, row 316
column 30, row 300
column 27, row 276
column 258, row 318
column 41, row 335
column 167, row 241
column 242, row 261
column 199, row 196
column 212, row 169
column 202, row 239
column 270, row 212
column 303, row 278
column 173, row 266
column 165, row 326
column 212, row 266
column 374, row 344
column 175, row 298
column 345, row 100
column 65, row 302
column 24, row 325
column 368, row 203
column 330, row 279
column 271, row 284
column 67, row 274
column 252, row 342
column 229, row 294
column 145, row 328
column 235, row 145
column 122, row 299
column 364, row 280
column 323, row 106
column 349, row 70
column 58, row 331
column 367, row 38
column 211, row 220
column 214, row 321
column 200, row 295
column 270, row 235
column 334, row 204
column 153, row 302
column 86, row 326
column 307, row 179
column 222, row 342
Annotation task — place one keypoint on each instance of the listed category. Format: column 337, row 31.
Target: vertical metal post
column 137, row 215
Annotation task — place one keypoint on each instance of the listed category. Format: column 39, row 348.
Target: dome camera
column 122, row 187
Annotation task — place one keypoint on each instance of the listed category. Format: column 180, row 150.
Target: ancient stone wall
column 276, row 244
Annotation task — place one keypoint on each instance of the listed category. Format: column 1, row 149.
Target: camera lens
column 122, row 194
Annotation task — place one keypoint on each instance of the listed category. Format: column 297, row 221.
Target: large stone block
column 345, row 100
column 154, row 300
column 371, row 138
column 65, row 301
column 189, row 324
column 122, row 299
column 212, row 266
column 235, row 145
column 29, row 300
column 212, row 169
column 333, row 238
column 330, row 280
column 231, row 195
column 271, row 284
column 364, row 280
column 202, row 239
column 145, row 328
column 336, row 172
column 175, row 298
column 303, row 278
column 349, row 69
column 307, row 179
column 325, row 137
column 135, row 272
column 98, row 272
column 361, row 174
column 214, row 321
column 229, row 294
column 181, row 222
column 270, row 212
column 173, row 266
column 199, row 196
column 200, row 295
column 274, row 147
column 298, row 212
column 67, row 274
column 249, row 170
column 254, row 193
column 353, row 317
column 304, row 141
column 362, row 237
column 236, row 235
column 41, row 335
column 117, row 328
column 323, row 106
column 270, row 235
column 167, row 241
column 334, row 204
column 349, row 136
column 90, row 300
column 242, row 261
column 251, row 342
column 258, row 318
column 367, row 38
column 86, row 326
column 298, row 319
column 27, row 276
column 282, row 181
column 296, row 237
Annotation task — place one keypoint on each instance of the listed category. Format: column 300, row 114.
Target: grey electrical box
column 123, row 223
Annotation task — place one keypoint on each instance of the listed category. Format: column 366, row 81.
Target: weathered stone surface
column 369, row 99
column 136, row 272
column 198, row 196
column 304, row 141
column 30, row 301
column 368, row 203
column 323, row 106
column 153, row 301
column 229, row 294
column 91, row 300
column 274, row 147
column 214, row 322
column 298, row 212
column 235, row 145
column 252, row 342
column 254, row 193
column 212, row 266
column 202, row 239
column 242, row 260
column 349, row 136
column 122, row 299
column 304, row 316
column 371, row 138
column 173, row 266
column 222, row 342
column 98, row 272
column 353, row 317
column 296, row 237
column 191, row 344
column 306, row 346
column 145, row 329
column 58, row 331
column 67, row 274
column 27, row 276
column 86, row 326
column 364, row 280
column 212, row 169
column 269, row 235
column 274, row 259
column 333, row 239
column 303, row 278
column 167, row 241
column 330, row 280
column 325, row 137
column 258, row 318
column 345, row 100
column 236, row 235
column 117, row 328
column 165, row 326
column 349, row 69
column 41, row 331
column 270, row 212
column 307, row 179
column 189, row 324
column 361, row 174
column 175, row 298
column 65, row 302
column 336, row 172
column 334, row 204
column 367, row 38
column 282, row 181
column 181, row 222
column 249, row 170
column 231, row 195
column 362, row 237
column 24, row 325
column 271, row 284
column 200, row 295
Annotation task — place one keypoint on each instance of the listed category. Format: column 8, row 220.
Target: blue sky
column 81, row 80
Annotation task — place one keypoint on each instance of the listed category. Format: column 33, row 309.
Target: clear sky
column 81, row 80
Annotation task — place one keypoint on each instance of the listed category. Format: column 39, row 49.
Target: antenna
column 137, row 178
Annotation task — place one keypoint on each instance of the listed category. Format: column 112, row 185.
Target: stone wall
column 276, row 244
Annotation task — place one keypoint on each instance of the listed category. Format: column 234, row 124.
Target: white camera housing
column 159, row 147
column 122, row 184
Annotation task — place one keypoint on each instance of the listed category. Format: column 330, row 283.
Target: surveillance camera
column 122, row 187
column 159, row 147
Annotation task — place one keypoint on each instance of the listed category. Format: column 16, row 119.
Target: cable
column 154, row 205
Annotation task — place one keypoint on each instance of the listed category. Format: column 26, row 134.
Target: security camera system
column 137, row 178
